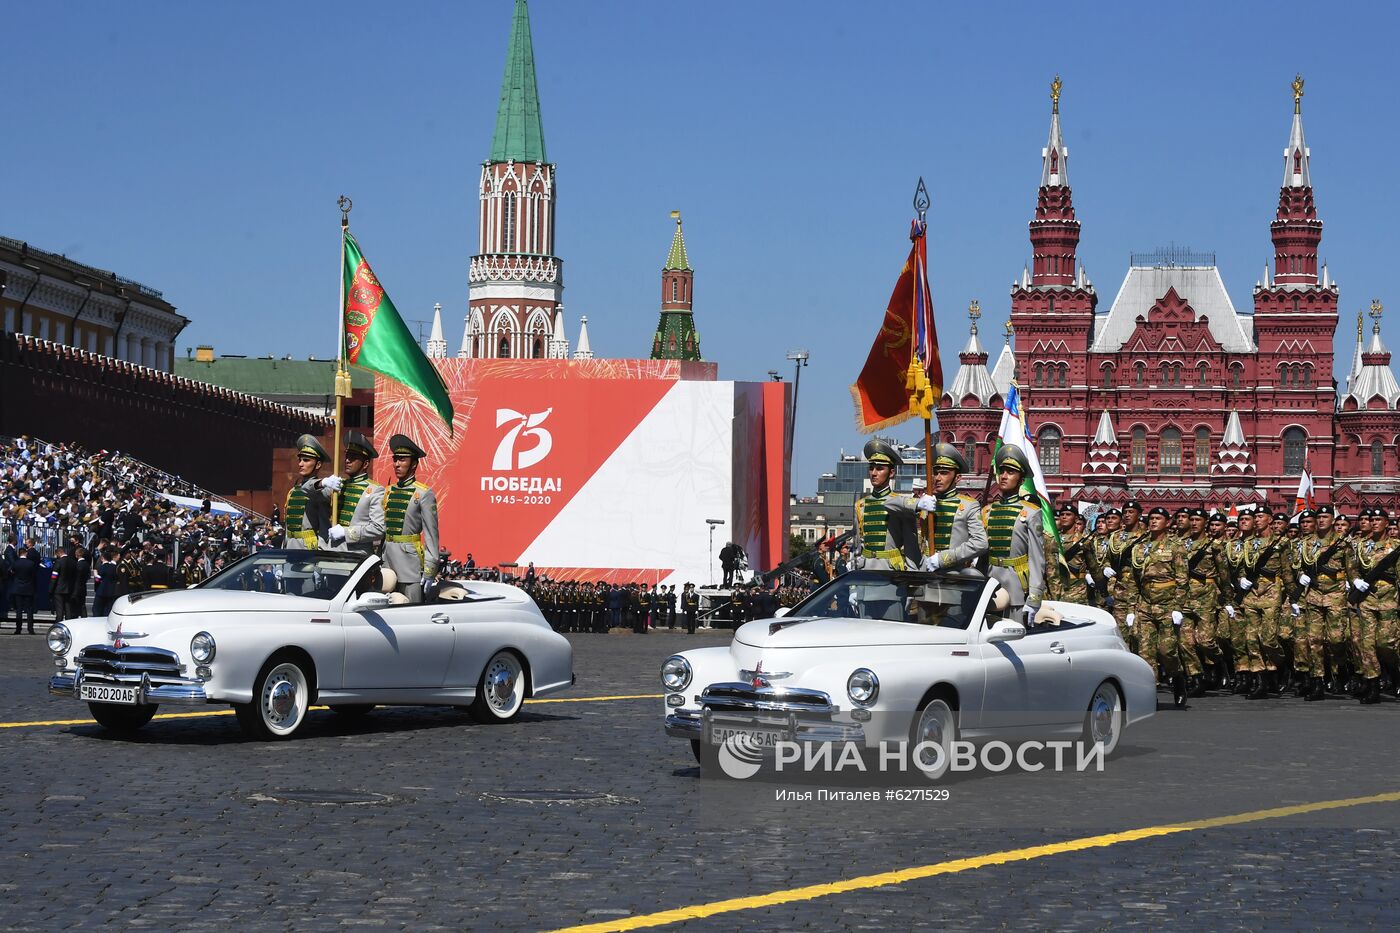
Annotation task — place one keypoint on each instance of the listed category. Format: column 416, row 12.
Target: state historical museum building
column 1171, row 396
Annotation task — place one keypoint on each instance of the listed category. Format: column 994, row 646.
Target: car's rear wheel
column 931, row 740
column 281, row 697
column 1103, row 722
column 352, row 710
column 501, row 691
column 123, row 719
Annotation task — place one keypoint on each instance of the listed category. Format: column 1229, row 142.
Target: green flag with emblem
column 377, row 339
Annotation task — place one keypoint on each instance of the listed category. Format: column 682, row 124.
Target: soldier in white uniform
column 360, row 520
column 959, row 539
column 887, row 533
column 306, row 514
column 1016, row 533
column 410, row 522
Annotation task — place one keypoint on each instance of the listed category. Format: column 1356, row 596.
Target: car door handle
column 1058, row 647
column 441, row 619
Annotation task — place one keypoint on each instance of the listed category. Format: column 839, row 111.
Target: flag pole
column 342, row 375
column 921, row 205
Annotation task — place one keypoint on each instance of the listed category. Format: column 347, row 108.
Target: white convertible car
column 280, row 631
column 880, row 656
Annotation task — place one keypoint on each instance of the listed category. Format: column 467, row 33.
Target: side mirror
column 1005, row 630
column 782, row 611
column 368, row 602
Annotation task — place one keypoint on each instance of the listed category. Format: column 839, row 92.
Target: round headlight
column 202, row 647
column 862, row 686
column 675, row 673
column 60, row 640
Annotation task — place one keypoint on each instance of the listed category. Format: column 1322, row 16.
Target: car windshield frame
column 243, row 576
column 831, row 600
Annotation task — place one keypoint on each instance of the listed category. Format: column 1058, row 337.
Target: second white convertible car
column 282, row 630
column 880, row 656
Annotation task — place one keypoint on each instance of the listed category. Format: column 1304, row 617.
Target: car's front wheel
column 281, row 697
column 122, row 719
column 932, row 738
column 501, row 691
column 1103, row 723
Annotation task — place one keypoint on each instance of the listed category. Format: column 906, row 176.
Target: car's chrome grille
column 129, row 664
column 746, row 698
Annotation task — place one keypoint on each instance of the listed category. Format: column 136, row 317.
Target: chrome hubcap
column 501, row 679
column 931, row 731
column 1101, row 715
column 283, row 698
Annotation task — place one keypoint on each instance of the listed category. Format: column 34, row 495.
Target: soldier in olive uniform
column 1159, row 567
column 359, row 521
column 1374, row 591
column 959, row 537
column 886, row 524
column 306, row 514
column 410, row 522
column 1122, row 582
column 1324, row 571
column 1260, row 580
column 1233, row 553
column 1016, row 533
column 1205, row 574
column 1075, row 576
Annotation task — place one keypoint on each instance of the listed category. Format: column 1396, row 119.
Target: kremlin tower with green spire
column 516, row 283
column 676, row 338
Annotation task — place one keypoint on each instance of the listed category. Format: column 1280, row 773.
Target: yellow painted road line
column 811, row 892
column 229, row 712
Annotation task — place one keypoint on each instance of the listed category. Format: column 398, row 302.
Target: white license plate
column 751, row 738
column 106, row 693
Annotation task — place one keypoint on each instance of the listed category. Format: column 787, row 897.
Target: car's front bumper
column 184, row 692
column 697, row 725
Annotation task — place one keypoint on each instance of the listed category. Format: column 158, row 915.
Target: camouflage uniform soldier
column 1324, row 569
column 886, row 524
column 1123, row 587
column 1374, row 589
column 1234, row 554
column 1261, row 579
column 1075, row 575
column 1205, row 572
column 1159, row 566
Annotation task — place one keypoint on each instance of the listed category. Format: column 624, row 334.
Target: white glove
column 1089, row 579
column 1177, row 617
column 332, row 482
column 1304, row 580
column 932, row 562
column 927, row 504
column 1297, row 610
column 1131, row 619
column 1110, row 572
column 1230, row 611
column 1360, row 585
column 1246, row 584
column 337, row 534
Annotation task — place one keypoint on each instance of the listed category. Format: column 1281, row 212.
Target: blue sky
column 200, row 148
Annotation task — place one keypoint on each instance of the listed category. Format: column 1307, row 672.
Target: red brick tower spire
column 1296, row 229
column 1054, row 231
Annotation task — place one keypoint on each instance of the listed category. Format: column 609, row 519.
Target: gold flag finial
column 676, row 216
column 1010, row 330
column 1298, row 93
column 1376, row 310
column 974, row 310
column 1055, row 94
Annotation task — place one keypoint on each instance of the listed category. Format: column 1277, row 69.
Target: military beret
column 878, row 451
column 1196, row 513
column 1158, row 510
column 1280, row 517
column 357, row 443
column 946, row 455
column 1364, row 513
column 1326, row 510
column 401, row 446
column 1133, row 504
column 1112, row 512
column 1307, row 513
column 308, row 446
column 1215, row 516
column 1066, row 510
column 1012, row 455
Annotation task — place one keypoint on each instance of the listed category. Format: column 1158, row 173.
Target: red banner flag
column 881, row 393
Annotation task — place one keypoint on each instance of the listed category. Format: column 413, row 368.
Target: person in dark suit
column 62, row 581
column 78, row 606
column 671, row 606
column 690, row 604
column 106, row 591
column 7, row 577
column 728, row 560
column 24, row 586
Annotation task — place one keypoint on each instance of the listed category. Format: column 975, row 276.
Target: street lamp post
column 712, row 522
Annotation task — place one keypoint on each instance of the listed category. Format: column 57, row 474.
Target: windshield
column 313, row 574
column 896, row 596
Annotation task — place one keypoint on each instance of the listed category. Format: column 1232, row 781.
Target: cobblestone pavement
column 585, row 812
